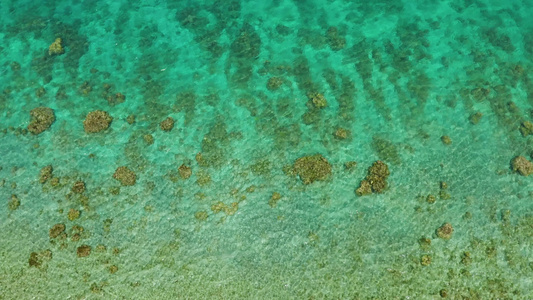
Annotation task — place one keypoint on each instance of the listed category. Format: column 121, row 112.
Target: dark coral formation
column 365, row 188
column 522, row 166
column 273, row 202
column 386, row 150
column 73, row 214
column 480, row 93
column 261, row 167
column 342, row 133
column 85, row 89
column 185, row 171
column 45, row 174
column 425, row 260
column 446, row 140
column 526, row 128
column 350, row 165
column 13, row 203
column 97, row 121
column 203, row 178
column 148, row 139
column 126, row 176
column 41, row 119
column 229, row 210
column 78, row 187
column 113, row 269
column 312, row 168
column 37, row 259
column 335, row 41
column 317, row 100
column 40, row 92
column 375, row 180
column 274, row 83
column 445, row 231
column 115, row 99
column 201, row 215
column 56, row 48
column 167, row 124
column 112, row 97
column 243, row 51
column 475, row 118
column 56, row 230
column 83, row 251
column 130, row 119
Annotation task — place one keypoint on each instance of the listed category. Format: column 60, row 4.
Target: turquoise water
column 439, row 92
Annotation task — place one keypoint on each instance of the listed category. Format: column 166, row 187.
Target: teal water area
column 280, row 110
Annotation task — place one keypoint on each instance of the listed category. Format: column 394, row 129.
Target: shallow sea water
column 441, row 93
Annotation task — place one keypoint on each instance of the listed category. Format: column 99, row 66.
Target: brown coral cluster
column 335, row 41
column 97, row 121
column 522, row 166
column 185, row 171
column 56, row 48
column 342, row 133
column 84, row 251
column 312, row 168
column 274, row 83
column 112, row 97
column 167, row 124
column 78, row 187
column 41, row 119
column 125, row 176
column 57, row 230
column 445, row 231
column 115, row 99
column 526, row 128
column 46, row 173
column 375, row 180
column 317, row 100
